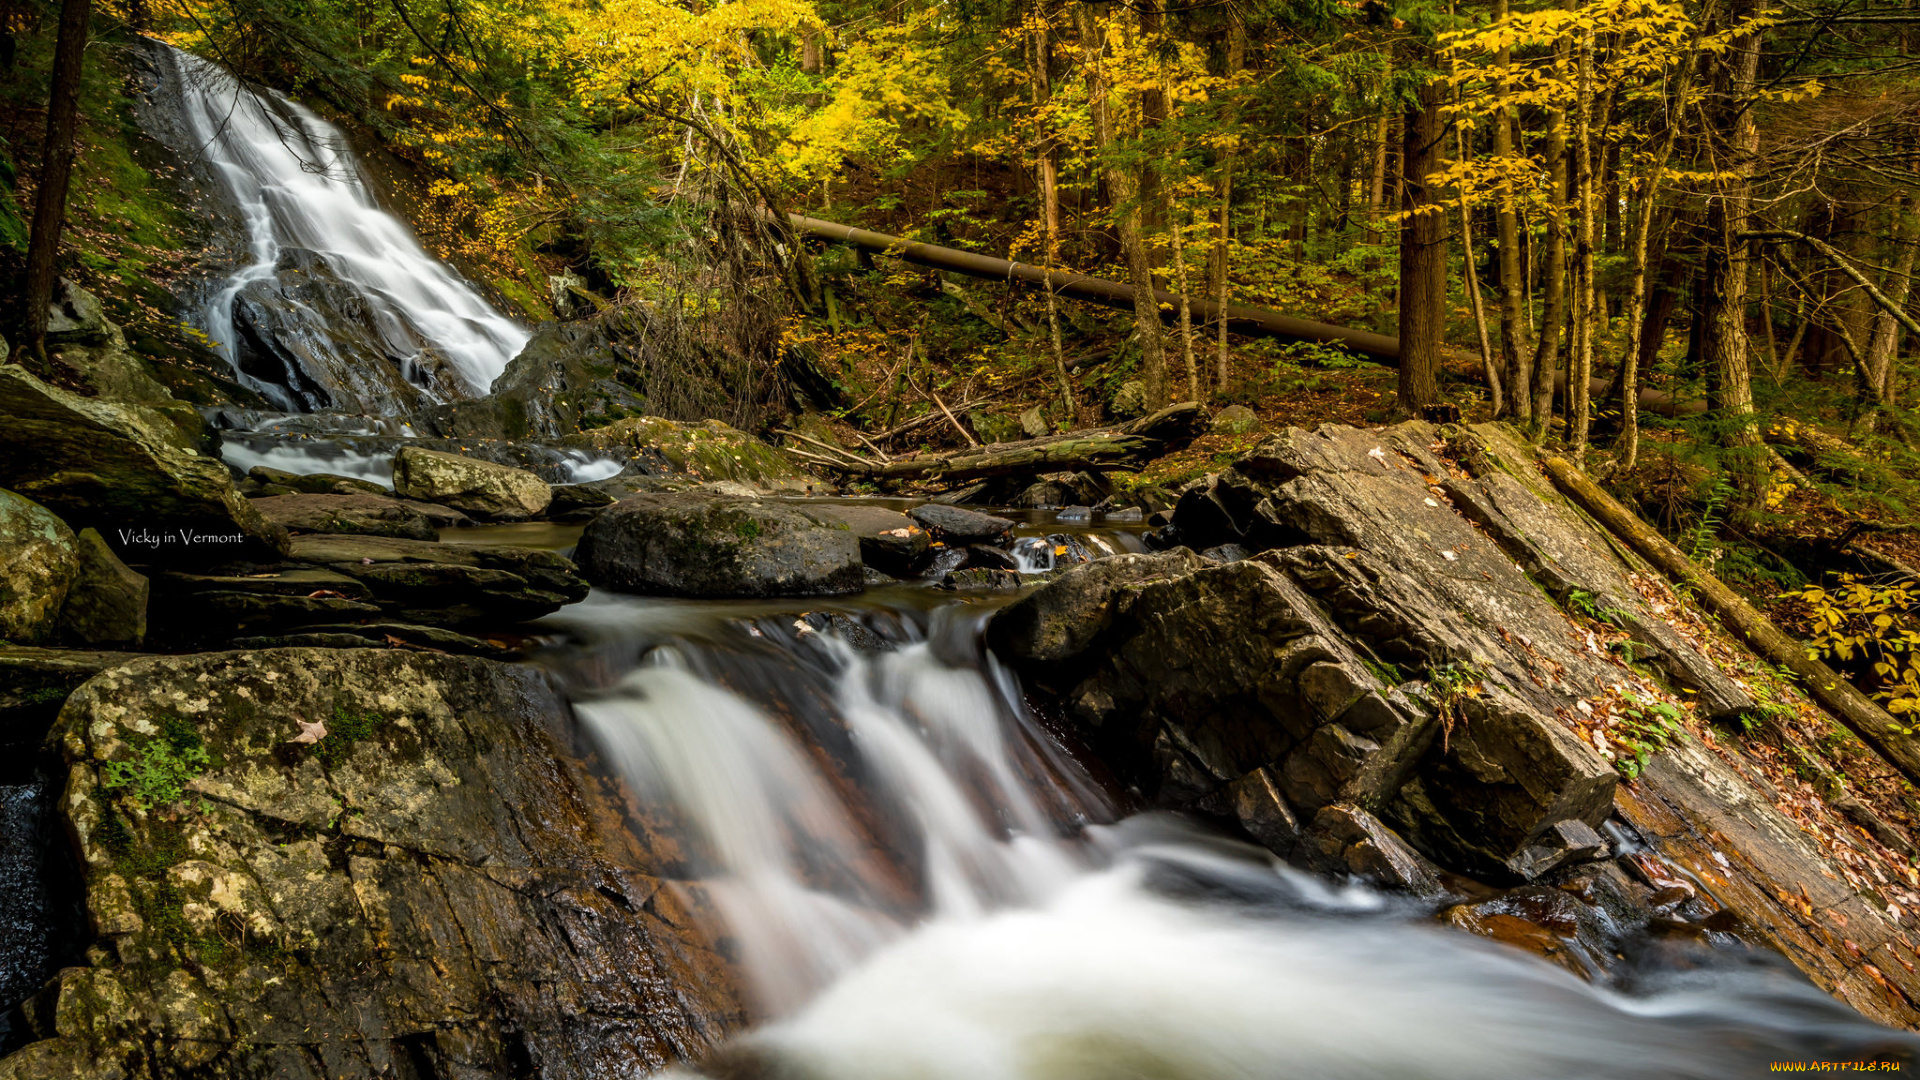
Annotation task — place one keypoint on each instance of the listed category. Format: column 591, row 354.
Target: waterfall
column 340, row 307
column 919, row 881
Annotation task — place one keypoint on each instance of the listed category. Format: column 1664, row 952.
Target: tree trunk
column 1883, row 343
column 1722, row 303
column 1580, row 363
column 1039, row 62
column 1236, row 59
column 1496, row 396
column 1546, row 354
column 1423, row 256
column 1516, row 363
column 1124, row 189
column 56, row 172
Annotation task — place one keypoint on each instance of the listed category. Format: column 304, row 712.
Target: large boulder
column 1063, row 618
column 480, row 488
column 698, row 544
column 384, row 861
column 38, row 563
column 568, row 374
column 957, row 526
column 107, row 606
column 92, row 352
column 360, row 515
column 890, row 541
column 121, row 468
column 701, row 453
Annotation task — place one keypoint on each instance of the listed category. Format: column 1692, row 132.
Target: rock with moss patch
column 303, row 855
column 469, row 485
column 1235, row 420
column 38, row 564
column 313, row 483
column 703, row 545
column 707, row 451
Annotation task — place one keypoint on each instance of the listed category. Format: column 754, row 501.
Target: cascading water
column 317, row 239
column 918, row 882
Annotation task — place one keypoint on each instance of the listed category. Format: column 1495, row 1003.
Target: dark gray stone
column 695, row 544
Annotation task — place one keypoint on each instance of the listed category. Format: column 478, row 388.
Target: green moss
column 343, row 731
column 747, row 529
column 157, row 771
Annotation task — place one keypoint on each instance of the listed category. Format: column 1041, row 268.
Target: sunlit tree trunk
column 1515, row 361
column 1546, row 354
column 1040, row 53
column 1580, row 362
column 1123, row 188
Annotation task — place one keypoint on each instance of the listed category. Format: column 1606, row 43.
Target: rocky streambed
column 371, row 791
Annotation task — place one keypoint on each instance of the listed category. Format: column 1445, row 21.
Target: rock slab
column 701, row 545
column 472, row 486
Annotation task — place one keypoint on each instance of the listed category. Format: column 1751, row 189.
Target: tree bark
column 1722, row 303
column 1423, row 256
column 1124, row 189
column 1546, row 354
column 1580, row 363
column 1515, row 361
column 1039, row 62
column 1236, row 59
column 1496, row 396
column 56, row 172
column 1099, row 447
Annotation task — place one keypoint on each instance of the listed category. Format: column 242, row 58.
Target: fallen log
column 1092, row 448
column 1834, row 693
column 1241, row 318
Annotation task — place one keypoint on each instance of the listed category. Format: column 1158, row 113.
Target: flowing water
column 297, row 186
column 921, row 881
column 919, row 878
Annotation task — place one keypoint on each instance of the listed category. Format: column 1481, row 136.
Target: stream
column 915, row 871
column 920, row 877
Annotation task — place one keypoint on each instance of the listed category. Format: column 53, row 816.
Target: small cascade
column 917, row 879
column 338, row 307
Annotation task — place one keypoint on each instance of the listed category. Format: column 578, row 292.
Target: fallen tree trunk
column 1838, row 696
column 1240, row 318
column 1089, row 449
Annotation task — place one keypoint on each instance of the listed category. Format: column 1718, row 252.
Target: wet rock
column 319, row 339
column 1550, row 923
column 890, row 541
column 341, row 578
column 449, row 584
column 693, row 544
column 357, row 515
column 1562, row 843
column 1345, row 839
column 38, row 565
column 975, row 578
column 1065, row 617
column 844, row 627
column 1263, row 812
column 1075, row 514
column 91, row 353
column 1124, row 515
column 1235, row 420
column 107, row 605
column 991, row 558
column 379, row 635
column 478, row 488
column 378, row 899
column 314, row 483
column 569, row 375
column 1225, row 553
column 576, row 502
column 121, row 469
column 953, row 525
